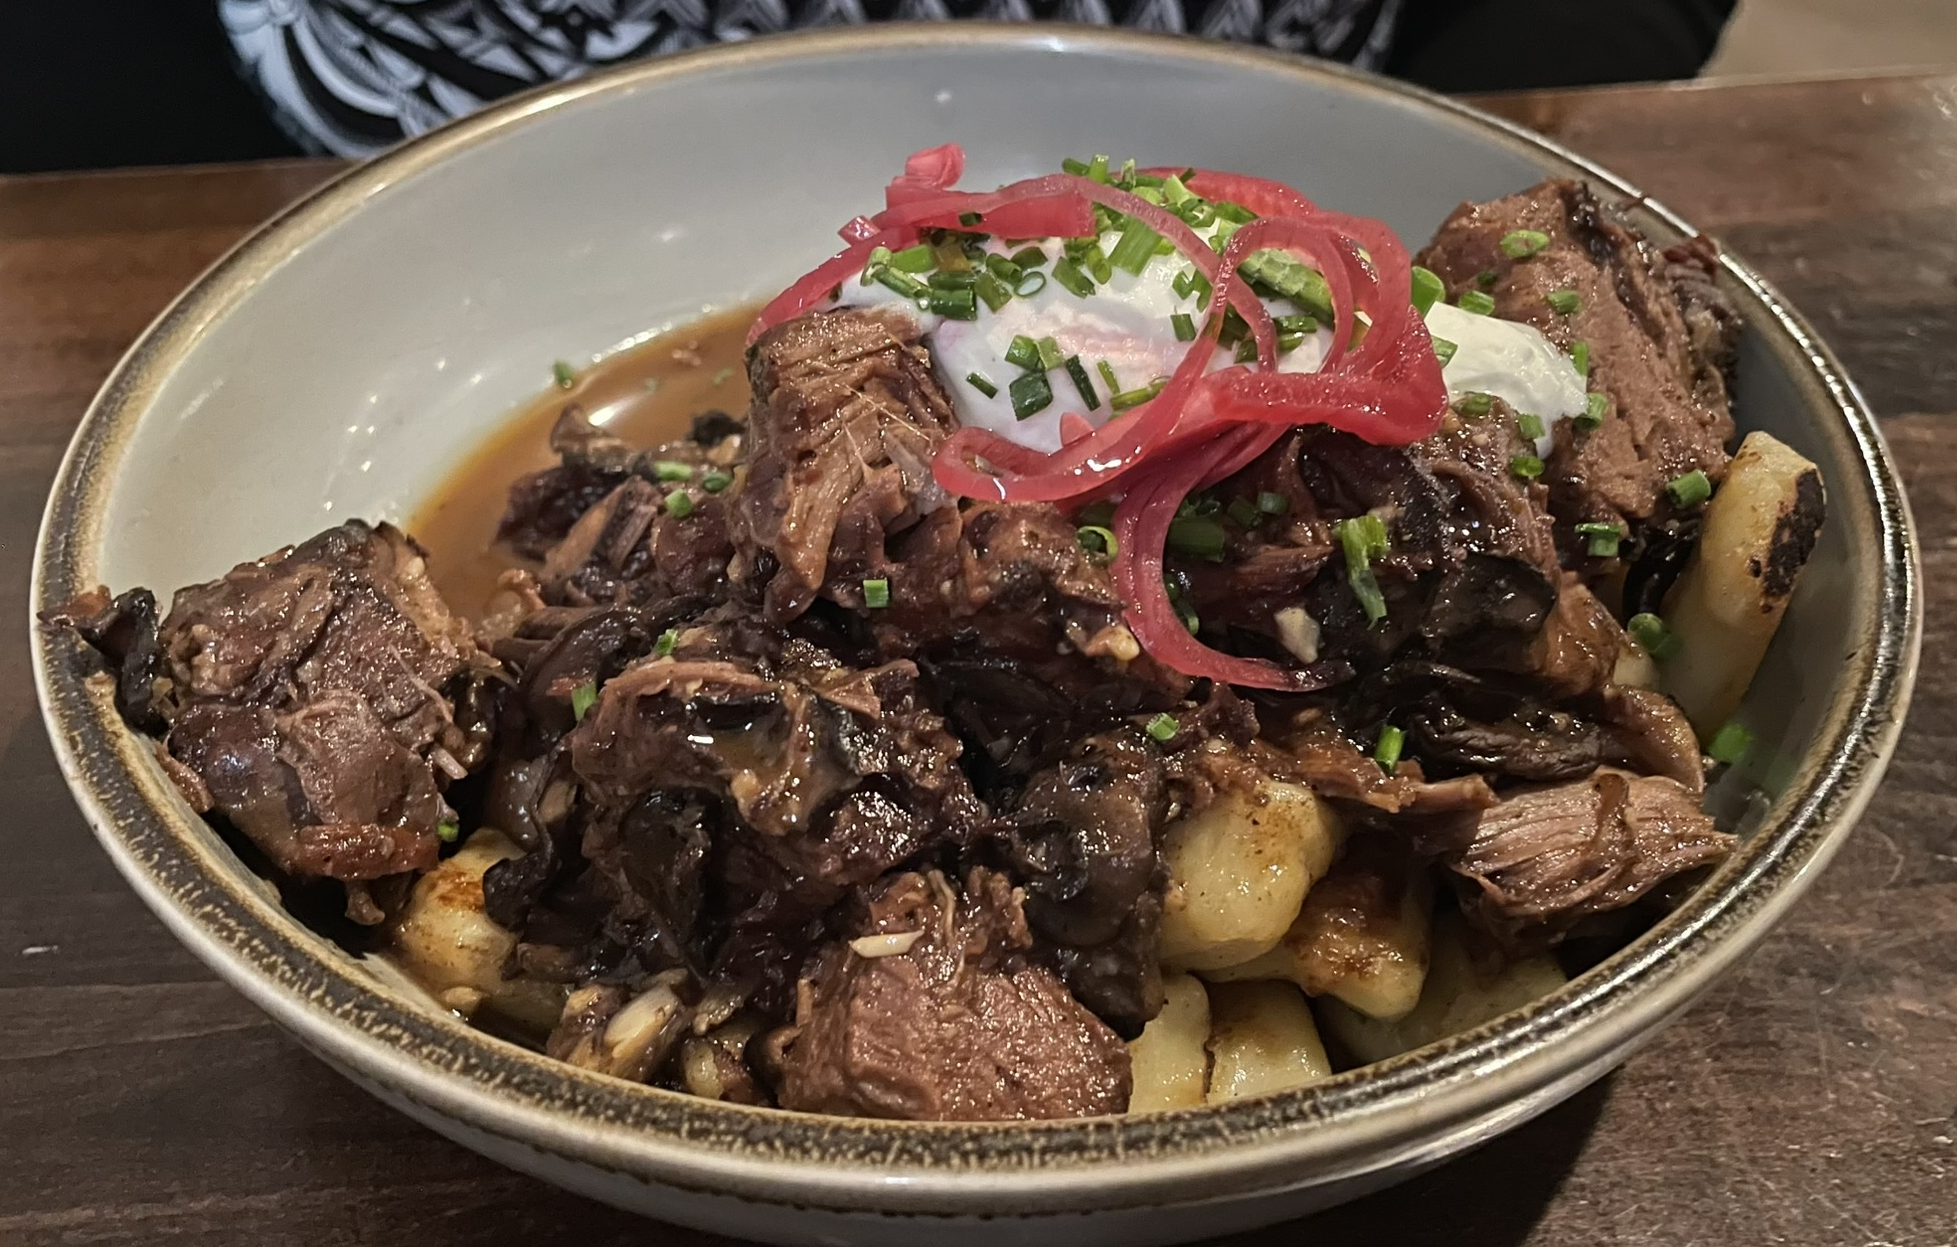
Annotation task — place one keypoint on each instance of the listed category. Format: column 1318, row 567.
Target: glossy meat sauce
column 647, row 395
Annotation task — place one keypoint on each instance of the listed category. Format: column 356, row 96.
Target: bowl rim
column 1351, row 1124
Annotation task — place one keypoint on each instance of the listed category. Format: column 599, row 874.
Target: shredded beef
column 1544, row 858
column 946, row 1018
column 846, row 418
column 1660, row 335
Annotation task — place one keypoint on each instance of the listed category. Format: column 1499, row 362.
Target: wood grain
column 1810, row 1100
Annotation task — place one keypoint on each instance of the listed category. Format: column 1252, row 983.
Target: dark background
column 103, row 83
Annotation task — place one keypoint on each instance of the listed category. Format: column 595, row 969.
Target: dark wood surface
column 1811, row 1100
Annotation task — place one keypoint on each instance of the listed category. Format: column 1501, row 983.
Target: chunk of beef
column 1659, row 335
column 934, row 1012
column 320, row 699
column 1545, row 858
column 846, row 418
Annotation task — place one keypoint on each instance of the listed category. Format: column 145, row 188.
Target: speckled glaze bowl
column 346, row 356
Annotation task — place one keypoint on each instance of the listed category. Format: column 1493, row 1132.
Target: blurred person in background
column 131, row 82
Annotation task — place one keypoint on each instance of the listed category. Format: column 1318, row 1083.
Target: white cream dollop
column 1512, row 361
column 1126, row 323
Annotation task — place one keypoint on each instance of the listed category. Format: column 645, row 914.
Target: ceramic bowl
column 341, row 360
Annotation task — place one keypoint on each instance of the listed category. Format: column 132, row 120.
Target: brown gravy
column 647, row 394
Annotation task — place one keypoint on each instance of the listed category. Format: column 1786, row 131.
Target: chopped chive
column 1565, row 302
column 1163, row 728
column 668, row 641
column 1029, row 257
column 876, row 594
column 1486, row 278
column 1068, row 274
column 1099, row 542
column 1107, row 374
column 679, row 504
column 1529, row 425
column 1030, row 285
column 1136, row 397
column 1031, row 394
column 563, row 374
column 1387, row 752
column 1580, row 356
column 1595, row 408
column 1273, row 503
column 1235, row 213
column 672, row 470
column 1184, row 326
column 948, row 279
column 1364, row 538
column 1198, row 537
column 1520, row 244
column 1235, row 328
column 983, row 384
column 916, row 259
column 1477, row 302
column 1730, row 744
column 1689, row 490
column 714, row 482
column 1076, row 167
column 583, row 697
column 1602, row 540
column 1078, row 371
column 879, row 257
column 1286, row 343
column 1247, row 351
column 1285, row 276
column 1650, row 631
column 953, row 304
column 1244, row 512
column 1528, row 467
column 903, row 283
column 995, row 292
column 1135, row 248
column 1050, row 356
column 448, row 831
column 1474, row 404
column 969, row 218
column 1444, row 351
column 1428, row 289
column 1002, row 268
column 1095, row 261
column 1097, row 169
column 1296, row 326
column 1023, row 352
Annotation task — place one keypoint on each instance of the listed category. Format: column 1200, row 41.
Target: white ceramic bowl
column 352, row 351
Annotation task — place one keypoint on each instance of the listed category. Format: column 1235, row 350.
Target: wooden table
column 1811, row 1100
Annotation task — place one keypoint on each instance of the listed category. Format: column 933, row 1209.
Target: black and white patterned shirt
column 349, row 77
